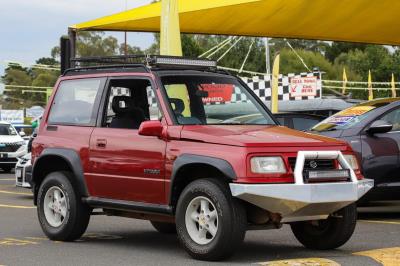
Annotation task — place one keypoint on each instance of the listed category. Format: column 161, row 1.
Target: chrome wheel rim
column 201, row 220
column 55, row 206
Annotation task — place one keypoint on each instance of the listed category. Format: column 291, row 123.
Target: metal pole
column 72, row 40
column 267, row 57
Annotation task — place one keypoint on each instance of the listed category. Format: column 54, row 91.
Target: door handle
column 101, row 143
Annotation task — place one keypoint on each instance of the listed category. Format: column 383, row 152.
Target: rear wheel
column 210, row 223
column 327, row 234
column 164, row 228
column 62, row 214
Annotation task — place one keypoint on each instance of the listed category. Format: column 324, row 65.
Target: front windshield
column 213, row 100
column 7, row 130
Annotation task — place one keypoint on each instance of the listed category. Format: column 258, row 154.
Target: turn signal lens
column 352, row 160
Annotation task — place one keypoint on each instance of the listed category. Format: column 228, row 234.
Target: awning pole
column 275, row 85
column 170, row 34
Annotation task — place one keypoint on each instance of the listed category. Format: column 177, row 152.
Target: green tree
column 337, row 48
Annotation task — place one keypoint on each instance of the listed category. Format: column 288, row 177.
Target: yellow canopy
column 368, row 21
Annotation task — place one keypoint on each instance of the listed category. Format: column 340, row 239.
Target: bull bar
column 300, row 201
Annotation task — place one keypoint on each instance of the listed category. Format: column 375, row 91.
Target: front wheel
column 327, row 234
column 209, row 222
column 62, row 214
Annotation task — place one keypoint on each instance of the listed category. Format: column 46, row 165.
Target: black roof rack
column 143, row 62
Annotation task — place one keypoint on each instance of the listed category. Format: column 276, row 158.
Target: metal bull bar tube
column 302, row 201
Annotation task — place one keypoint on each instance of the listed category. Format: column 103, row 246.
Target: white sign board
column 303, row 86
column 12, row 116
column 34, row 111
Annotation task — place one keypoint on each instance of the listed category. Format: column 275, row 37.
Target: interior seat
column 127, row 115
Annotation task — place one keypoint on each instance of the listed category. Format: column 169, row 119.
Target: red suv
column 161, row 141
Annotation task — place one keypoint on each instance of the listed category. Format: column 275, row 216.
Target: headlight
column 267, row 165
column 352, row 160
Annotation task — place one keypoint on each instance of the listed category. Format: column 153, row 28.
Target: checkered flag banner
column 292, row 87
column 289, row 86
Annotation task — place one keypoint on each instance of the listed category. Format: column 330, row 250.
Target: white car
column 12, row 146
column 23, row 171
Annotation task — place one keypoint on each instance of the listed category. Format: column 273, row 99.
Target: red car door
column 125, row 165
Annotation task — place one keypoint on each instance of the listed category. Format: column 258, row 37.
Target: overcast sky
column 30, row 28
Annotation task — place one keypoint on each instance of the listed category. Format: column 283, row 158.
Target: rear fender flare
column 70, row 157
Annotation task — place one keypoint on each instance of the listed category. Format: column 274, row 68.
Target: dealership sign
column 303, row 86
column 12, row 116
column 34, row 111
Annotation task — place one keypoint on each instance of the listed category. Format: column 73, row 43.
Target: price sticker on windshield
column 217, row 93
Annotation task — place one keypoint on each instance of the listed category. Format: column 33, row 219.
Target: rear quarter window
column 75, row 102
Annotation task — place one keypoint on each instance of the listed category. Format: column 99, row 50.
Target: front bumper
column 11, row 158
column 300, row 201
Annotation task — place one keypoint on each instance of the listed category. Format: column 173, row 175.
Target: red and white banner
column 218, row 93
column 303, row 86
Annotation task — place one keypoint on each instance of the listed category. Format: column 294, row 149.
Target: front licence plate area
column 18, row 172
column 337, row 175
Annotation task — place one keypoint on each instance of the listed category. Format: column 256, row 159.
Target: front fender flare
column 187, row 159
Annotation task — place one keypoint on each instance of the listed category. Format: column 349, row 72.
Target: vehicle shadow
column 265, row 247
column 380, row 210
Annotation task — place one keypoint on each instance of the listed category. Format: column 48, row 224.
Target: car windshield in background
column 7, row 130
column 213, row 100
column 350, row 117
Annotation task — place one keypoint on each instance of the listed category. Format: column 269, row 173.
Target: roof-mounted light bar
column 180, row 61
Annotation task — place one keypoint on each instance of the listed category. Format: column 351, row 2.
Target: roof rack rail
column 118, row 59
column 116, row 67
column 148, row 61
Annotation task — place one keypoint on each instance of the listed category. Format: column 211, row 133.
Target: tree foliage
column 329, row 57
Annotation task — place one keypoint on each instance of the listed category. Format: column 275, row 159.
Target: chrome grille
column 9, row 147
column 321, row 164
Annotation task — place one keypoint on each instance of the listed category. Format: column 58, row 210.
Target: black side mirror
column 379, row 126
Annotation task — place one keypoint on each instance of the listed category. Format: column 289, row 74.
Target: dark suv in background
column 373, row 131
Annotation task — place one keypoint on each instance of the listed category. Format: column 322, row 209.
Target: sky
column 30, row 28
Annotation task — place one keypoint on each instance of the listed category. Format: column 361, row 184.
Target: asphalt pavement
column 123, row 241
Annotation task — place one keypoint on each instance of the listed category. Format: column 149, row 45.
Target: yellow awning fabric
column 368, row 21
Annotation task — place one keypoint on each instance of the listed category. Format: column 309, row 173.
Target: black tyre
column 210, row 223
column 7, row 169
column 327, row 234
column 62, row 214
column 164, row 228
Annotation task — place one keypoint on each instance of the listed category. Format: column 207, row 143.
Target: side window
column 393, row 118
column 75, row 101
column 130, row 102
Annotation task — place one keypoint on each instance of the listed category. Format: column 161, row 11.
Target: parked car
column 291, row 120
column 373, row 130
column 23, row 171
column 12, row 146
column 298, row 121
column 153, row 141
